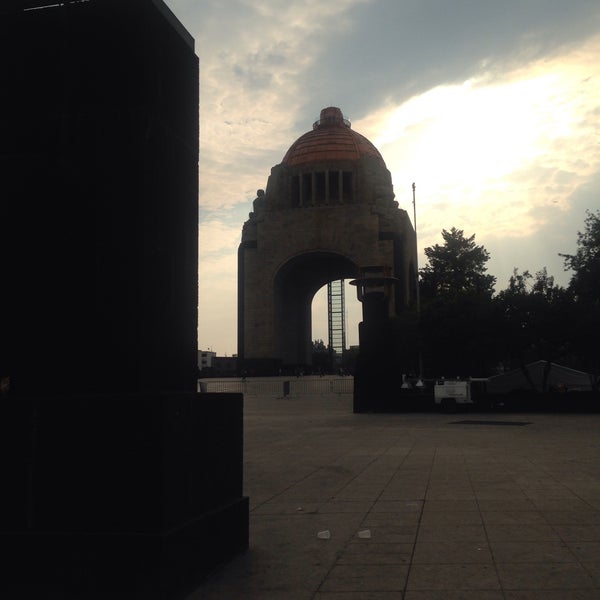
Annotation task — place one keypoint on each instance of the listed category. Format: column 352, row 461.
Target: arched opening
column 295, row 286
column 353, row 315
column 345, row 358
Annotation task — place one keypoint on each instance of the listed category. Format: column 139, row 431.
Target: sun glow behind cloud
column 487, row 152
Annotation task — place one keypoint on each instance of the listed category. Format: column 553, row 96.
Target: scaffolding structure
column 336, row 313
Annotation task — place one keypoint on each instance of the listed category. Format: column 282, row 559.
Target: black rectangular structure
column 120, row 496
column 99, row 154
column 118, row 479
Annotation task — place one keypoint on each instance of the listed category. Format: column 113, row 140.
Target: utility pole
column 418, row 294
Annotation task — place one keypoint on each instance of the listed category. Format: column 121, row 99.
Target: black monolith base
column 133, row 496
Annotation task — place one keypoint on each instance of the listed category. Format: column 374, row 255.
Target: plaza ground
column 417, row 505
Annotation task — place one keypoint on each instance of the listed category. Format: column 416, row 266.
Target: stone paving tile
column 364, row 492
column 453, row 577
column 544, row 576
column 593, row 568
column 594, row 502
column 454, row 595
column 398, row 491
column 451, row 517
column 358, row 596
column 521, row 533
column 443, row 533
column 515, row 517
column 393, row 535
column 531, row 552
column 286, row 508
column 552, row 595
column 360, row 578
column 585, row 551
column 401, row 495
column 535, row 482
column 262, row 593
column 451, row 553
column 573, row 533
column 345, row 506
column 492, row 505
column 499, row 495
column 397, row 506
column 572, row 517
column 450, row 494
column 395, row 519
column 366, row 552
column 565, row 503
column 450, row 505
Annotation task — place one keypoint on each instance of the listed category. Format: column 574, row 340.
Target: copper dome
column 331, row 139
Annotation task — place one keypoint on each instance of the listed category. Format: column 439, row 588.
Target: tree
column 585, row 286
column 536, row 316
column 585, row 282
column 321, row 356
column 457, row 318
column 457, row 266
column 319, row 347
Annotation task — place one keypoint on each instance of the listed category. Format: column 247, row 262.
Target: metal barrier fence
column 279, row 386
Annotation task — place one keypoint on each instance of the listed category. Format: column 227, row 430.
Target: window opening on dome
column 334, row 187
column 320, row 188
column 306, row 189
column 348, row 191
column 295, row 191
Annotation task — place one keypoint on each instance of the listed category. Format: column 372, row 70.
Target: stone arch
column 295, row 285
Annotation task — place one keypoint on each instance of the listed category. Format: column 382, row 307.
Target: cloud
column 398, row 49
column 498, row 155
column 216, row 236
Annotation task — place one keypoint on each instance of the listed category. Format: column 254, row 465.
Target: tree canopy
column 585, row 263
column 457, row 266
column 535, row 320
column 463, row 328
column 456, row 307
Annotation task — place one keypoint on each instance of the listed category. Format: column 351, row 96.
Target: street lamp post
column 419, row 383
column 371, row 385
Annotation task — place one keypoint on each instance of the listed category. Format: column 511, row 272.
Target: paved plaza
column 415, row 506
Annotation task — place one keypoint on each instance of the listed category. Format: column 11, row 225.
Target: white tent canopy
column 533, row 376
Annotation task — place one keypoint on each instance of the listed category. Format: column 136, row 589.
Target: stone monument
column 328, row 212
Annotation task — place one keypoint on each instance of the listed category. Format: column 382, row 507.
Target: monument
column 328, row 212
column 118, row 478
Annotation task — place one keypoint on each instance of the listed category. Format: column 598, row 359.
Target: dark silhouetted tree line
column 466, row 329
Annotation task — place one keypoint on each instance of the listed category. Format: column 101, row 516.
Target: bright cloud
column 486, row 153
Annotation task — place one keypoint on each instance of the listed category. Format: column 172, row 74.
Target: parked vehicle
column 448, row 394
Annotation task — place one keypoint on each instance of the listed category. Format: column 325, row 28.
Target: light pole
column 419, row 383
column 373, row 381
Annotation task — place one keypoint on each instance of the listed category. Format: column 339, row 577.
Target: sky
column 491, row 108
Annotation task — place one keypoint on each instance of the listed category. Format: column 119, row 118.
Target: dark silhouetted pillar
column 117, row 475
column 374, row 382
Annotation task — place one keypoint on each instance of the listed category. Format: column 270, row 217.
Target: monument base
column 121, row 496
column 130, row 566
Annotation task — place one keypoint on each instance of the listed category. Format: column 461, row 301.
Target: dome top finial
column 331, row 117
